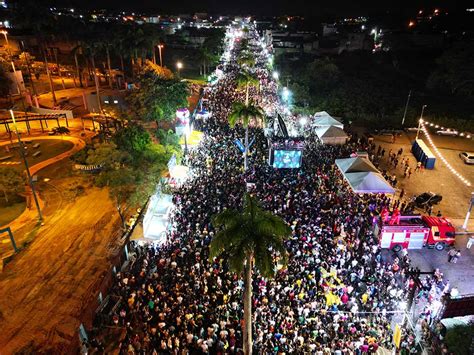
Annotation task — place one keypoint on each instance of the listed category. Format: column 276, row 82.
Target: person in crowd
column 338, row 292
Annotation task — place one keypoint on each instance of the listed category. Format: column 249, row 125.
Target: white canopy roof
column 356, row 165
column 330, row 132
column 363, row 176
column 325, row 119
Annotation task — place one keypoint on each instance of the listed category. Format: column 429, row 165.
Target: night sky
column 272, row 7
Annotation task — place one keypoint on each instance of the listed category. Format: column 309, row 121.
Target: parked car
column 427, row 199
column 447, row 132
column 467, row 157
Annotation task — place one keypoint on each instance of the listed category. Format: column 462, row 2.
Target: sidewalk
column 30, row 215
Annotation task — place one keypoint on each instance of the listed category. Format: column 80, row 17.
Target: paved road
column 31, row 214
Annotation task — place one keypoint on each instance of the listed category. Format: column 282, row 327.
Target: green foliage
column 244, row 113
column 107, row 155
column 133, row 139
column 245, row 79
column 252, row 231
column 459, row 339
column 371, row 89
column 61, row 130
column 159, row 95
column 455, row 70
column 167, row 137
column 157, row 156
column 12, row 182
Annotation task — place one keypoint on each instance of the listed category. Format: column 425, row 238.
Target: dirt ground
column 440, row 180
column 44, row 289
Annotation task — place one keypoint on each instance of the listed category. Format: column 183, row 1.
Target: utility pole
column 468, row 214
column 51, row 84
column 160, row 47
column 420, row 121
column 30, row 180
column 414, row 274
column 55, row 51
column 28, row 65
column 406, row 108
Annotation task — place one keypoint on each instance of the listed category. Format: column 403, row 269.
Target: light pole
column 30, row 180
column 179, row 66
column 406, row 108
column 420, row 121
column 160, row 47
column 5, row 34
column 468, row 214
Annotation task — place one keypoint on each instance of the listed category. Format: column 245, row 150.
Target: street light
column 420, row 121
column 179, row 66
column 275, row 75
column 374, row 32
column 30, row 180
column 160, row 47
column 5, row 33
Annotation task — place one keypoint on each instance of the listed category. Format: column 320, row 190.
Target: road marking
column 10, row 163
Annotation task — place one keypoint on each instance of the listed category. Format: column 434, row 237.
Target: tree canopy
column 159, row 94
column 455, row 70
column 133, row 139
column 251, row 231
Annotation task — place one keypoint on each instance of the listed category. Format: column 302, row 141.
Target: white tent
column 363, row 176
column 331, row 135
column 356, row 165
column 156, row 219
column 324, row 119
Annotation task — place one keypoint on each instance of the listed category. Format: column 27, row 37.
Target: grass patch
column 12, row 211
column 48, row 147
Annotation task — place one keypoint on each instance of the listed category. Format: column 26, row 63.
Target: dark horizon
column 271, row 8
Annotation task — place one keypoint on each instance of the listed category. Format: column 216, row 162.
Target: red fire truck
column 416, row 232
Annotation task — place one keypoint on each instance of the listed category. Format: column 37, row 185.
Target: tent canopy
column 179, row 172
column 330, row 132
column 325, row 119
column 363, row 176
column 356, row 165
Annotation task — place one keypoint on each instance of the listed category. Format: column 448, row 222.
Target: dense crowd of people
column 338, row 293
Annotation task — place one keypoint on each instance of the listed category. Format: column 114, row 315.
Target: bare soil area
column 44, row 290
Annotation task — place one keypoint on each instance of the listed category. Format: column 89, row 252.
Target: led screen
column 287, row 159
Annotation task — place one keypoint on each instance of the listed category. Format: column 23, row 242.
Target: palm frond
column 252, row 231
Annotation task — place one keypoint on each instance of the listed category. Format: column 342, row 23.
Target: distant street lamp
column 374, row 32
column 5, row 34
column 275, row 75
column 160, row 47
column 179, row 66
column 420, row 121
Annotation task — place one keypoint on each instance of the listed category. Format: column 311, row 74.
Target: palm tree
column 246, row 59
column 245, row 113
column 247, row 238
column 246, row 80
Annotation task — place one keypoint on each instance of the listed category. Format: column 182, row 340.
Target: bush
column 459, row 339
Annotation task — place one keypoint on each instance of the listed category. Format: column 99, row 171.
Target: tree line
column 372, row 89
